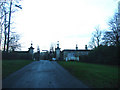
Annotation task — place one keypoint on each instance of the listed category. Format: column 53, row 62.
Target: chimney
column 86, row 47
column 76, row 47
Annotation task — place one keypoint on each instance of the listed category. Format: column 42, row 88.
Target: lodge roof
column 75, row 50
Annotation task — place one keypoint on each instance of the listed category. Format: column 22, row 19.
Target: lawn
column 10, row 66
column 93, row 75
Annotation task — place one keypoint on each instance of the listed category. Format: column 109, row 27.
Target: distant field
column 93, row 75
column 10, row 66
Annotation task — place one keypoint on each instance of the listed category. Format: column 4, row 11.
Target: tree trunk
column 9, row 26
column 5, row 32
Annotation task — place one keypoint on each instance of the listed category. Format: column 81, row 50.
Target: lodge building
column 71, row 54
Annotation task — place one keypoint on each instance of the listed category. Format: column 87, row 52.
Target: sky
column 71, row 22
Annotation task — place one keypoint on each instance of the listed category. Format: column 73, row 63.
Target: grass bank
column 93, row 75
column 10, row 66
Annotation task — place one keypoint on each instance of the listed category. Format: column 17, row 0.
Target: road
column 42, row 74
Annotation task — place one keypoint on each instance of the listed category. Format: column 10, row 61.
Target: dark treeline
column 16, row 56
column 103, row 55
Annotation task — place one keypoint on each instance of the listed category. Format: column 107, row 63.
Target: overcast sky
column 70, row 22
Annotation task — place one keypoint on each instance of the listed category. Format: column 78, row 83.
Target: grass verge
column 10, row 66
column 93, row 75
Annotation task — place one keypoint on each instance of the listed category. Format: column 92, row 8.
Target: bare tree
column 52, row 52
column 4, row 6
column 92, row 43
column 5, row 27
column 112, row 37
column 1, row 22
column 14, row 42
column 52, row 47
column 7, row 8
column 96, row 38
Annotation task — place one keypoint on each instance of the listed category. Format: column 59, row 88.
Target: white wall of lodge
column 72, row 58
column 74, row 55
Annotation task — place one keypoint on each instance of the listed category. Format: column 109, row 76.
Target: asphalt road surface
column 42, row 74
